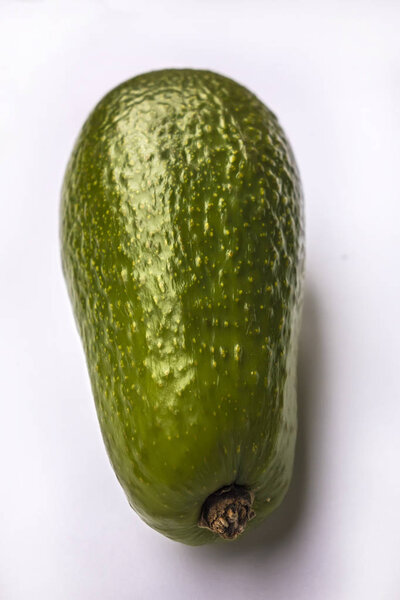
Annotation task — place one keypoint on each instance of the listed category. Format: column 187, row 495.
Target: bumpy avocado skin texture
column 182, row 247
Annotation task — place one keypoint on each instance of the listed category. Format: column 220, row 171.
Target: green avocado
column 183, row 250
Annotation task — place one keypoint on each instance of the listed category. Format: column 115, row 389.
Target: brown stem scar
column 227, row 511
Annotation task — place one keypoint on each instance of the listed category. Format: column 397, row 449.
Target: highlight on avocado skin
column 182, row 244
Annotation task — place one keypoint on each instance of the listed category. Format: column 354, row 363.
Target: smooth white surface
column 331, row 71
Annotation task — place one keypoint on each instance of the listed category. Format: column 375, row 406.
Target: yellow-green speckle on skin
column 182, row 248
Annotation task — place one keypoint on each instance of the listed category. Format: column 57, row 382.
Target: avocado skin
column 182, row 244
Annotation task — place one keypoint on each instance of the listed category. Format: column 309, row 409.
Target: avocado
column 182, row 243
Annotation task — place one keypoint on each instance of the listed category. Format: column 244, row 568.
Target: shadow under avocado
column 284, row 524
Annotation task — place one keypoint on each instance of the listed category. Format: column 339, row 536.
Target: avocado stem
column 227, row 511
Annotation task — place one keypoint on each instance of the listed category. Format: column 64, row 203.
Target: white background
column 331, row 71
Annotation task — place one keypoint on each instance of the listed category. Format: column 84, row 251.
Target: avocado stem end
column 227, row 511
